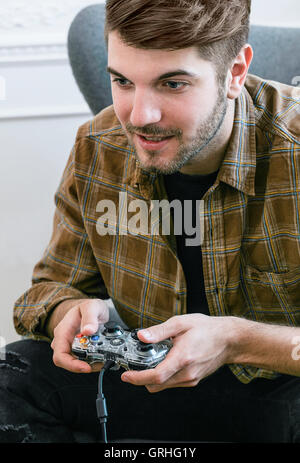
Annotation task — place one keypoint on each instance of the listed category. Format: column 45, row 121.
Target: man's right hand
column 68, row 319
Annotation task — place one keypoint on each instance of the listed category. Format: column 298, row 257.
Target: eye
column 121, row 82
column 174, row 85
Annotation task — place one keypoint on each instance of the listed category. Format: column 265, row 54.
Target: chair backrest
column 88, row 56
column 276, row 55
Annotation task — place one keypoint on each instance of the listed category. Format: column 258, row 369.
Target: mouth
column 153, row 142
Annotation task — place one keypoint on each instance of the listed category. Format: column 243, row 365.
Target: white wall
column 39, row 117
column 276, row 12
column 38, row 121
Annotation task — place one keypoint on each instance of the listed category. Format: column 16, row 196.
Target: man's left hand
column 201, row 345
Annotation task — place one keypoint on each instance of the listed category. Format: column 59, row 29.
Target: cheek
column 182, row 112
column 187, row 117
column 122, row 106
column 202, row 105
column 195, row 108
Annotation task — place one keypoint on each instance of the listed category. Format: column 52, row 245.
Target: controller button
column 117, row 342
column 84, row 340
column 79, row 335
column 95, row 338
column 134, row 334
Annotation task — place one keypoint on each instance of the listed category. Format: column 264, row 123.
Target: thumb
column 93, row 313
column 165, row 330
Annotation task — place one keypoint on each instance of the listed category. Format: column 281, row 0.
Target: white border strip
column 34, row 53
column 45, row 112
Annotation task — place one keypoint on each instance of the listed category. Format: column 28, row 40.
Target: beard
column 188, row 151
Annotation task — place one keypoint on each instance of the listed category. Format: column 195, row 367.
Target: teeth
column 153, row 139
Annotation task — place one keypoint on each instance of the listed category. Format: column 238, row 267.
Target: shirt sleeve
column 67, row 269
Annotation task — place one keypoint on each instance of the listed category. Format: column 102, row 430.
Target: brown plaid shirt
column 251, row 245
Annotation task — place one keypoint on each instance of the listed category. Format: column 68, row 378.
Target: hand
column 84, row 317
column 200, row 346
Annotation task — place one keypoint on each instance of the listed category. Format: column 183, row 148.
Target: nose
column 145, row 109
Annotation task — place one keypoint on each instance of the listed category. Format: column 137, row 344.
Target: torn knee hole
column 14, row 361
column 12, row 433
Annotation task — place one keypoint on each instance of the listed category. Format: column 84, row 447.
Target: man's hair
column 218, row 28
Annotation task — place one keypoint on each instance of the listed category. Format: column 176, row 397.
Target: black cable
column 101, row 402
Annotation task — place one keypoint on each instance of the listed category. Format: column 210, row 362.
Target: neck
column 211, row 156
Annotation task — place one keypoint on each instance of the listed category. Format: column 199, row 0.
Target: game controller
column 111, row 342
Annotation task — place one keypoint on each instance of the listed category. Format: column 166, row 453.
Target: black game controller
column 111, row 342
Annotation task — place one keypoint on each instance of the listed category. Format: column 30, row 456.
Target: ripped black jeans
column 40, row 402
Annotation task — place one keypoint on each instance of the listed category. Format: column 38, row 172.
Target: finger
column 158, row 375
column 138, row 378
column 177, row 380
column 71, row 363
column 170, row 328
column 61, row 344
column 93, row 314
column 156, row 388
column 180, row 379
column 97, row 366
column 63, row 359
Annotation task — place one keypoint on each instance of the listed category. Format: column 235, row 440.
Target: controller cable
column 101, row 401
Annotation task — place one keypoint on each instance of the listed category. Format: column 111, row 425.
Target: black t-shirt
column 192, row 188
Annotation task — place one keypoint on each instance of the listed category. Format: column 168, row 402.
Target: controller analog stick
column 144, row 347
column 112, row 329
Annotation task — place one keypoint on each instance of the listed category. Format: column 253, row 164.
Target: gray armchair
column 276, row 55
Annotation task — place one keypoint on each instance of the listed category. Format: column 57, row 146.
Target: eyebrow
column 167, row 75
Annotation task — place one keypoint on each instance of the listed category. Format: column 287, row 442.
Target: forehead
column 140, row 62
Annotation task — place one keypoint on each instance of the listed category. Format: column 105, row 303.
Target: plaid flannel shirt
column 251, row 242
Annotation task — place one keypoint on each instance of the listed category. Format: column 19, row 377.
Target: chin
column 156, row 163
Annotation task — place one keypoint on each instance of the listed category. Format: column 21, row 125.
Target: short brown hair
column 219, row 28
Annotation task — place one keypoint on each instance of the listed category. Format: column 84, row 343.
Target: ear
column 238, row 71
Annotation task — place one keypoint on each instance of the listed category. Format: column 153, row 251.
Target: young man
column 187, row 124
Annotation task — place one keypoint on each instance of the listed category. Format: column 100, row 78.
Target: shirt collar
column 239, row 164
column 140, row 178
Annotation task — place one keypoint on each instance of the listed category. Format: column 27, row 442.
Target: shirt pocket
column 272, row 297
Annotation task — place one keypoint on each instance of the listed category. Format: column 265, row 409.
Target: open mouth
column 151, row 142
column 149, row 138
